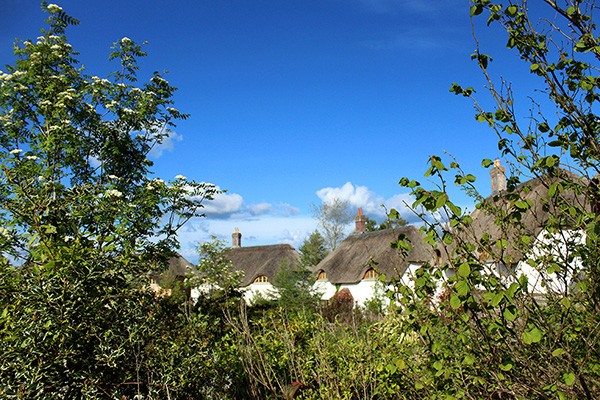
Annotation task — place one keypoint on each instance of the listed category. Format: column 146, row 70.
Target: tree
column 84, row 220
column 493, row 336
column 313, row 250
column 333, row 217
column 393, row 221
column 218, row 284
column 293, row 288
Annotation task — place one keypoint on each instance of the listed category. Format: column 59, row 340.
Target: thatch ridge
column 533, row 220
column 361, row 251
column 180, row 266
column 256, row 261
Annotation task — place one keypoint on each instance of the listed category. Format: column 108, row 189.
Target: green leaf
column 532, row 336
column 510, row 313
column 447, row 238
column 558, row 352
column 391, row 368
column 497, row 299
column 569, row 378
column 400, row 364
column 522, row 205
column 476, row 10
column 464, row 270
column 440, row 201
column 526, row 240
column 506, row 366
column 462, row 288
column 486, row 162
column 512, row 289
column 469, row 360
column 455, row 302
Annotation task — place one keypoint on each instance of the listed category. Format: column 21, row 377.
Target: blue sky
column 294, row 103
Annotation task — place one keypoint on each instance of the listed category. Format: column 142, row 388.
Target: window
column 484, row 256
column 322, row 276
column 503, row 269
column 438, row 257
column 371, row 274
column 261, row 279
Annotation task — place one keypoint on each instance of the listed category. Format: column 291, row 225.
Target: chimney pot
column 498, row 177
column 360, row 222
column 236, row 238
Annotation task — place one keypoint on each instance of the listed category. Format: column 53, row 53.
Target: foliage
column 393, row 221
column 333, row 217
column 519, row 314
column 80, row 214
column 329, row 360
column 313, row 250
column 293, row 288
column 216, row 279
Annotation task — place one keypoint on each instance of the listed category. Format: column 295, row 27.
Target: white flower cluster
column 158, row 79
column 103, row 81
column 181, row 177
column 8, row 77
column 156, row 183
column 32, row 158
column 126, row 40
column 5, row 233
column 113, row 193
column 68, row 94
column 53, row 8
column 16, row 152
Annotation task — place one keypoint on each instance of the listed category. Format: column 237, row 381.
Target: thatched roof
column 256, row 261
column 362, row 251
column 180, row 266
column 177, row 268
column 532, row 221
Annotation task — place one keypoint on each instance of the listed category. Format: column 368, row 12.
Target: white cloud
column 224, row 204
column 166, row 145
column 260, row 208
column 373, row 205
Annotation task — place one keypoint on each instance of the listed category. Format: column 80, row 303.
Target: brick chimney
column 498, row 177
column 360, row 222
column 236, row 238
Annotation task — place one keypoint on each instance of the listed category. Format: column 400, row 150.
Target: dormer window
column 438, row 257
column 261, row 279
column 484, row 256
column 322, row 276
column 371, row 274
